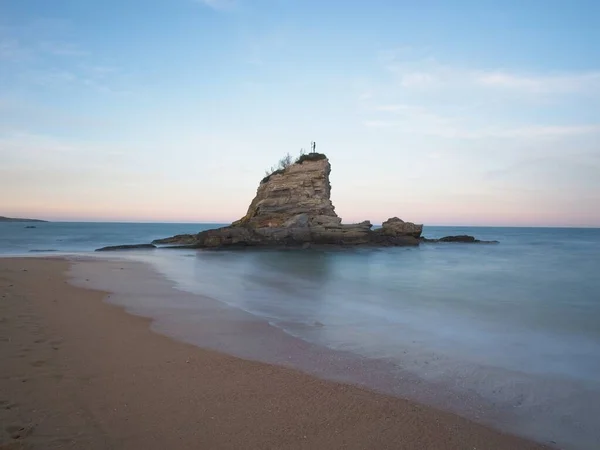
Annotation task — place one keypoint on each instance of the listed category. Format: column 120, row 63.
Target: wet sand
column 77, row 372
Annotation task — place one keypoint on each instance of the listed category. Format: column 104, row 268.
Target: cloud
column 52, row 77
column 541, row 84
column 542, row 131
column 40, row 56
column 420, row 120
column 105, row 79
column 220, row 5
column 62, row 49
column 23, row 151
column 28, row 147
column 18, row 114
column 428, row 72
column 437, row 126
column 419, row 80
column 36, row 40
column 12, row 50
column 423, row 97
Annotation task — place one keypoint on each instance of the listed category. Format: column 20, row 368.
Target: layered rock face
column 398, row 227
column 298, row 197
column 293, row 207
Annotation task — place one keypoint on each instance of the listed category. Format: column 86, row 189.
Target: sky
column 445, row 113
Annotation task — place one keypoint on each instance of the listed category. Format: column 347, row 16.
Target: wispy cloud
column 12, row 50
column 436, row 126
column 220, row 5
column 62, row 49
column 542, row 131
column 20, row 150
column 420, row 120
column 41, row 54
column 422, row 96
column 18, row 114
column 585, row 82
column 428, row 72
column 103, row 78
column 38, row 39
column 419, row 80
column 53, row 77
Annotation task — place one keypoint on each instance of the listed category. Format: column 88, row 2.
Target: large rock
column 292, row 207
column 302, row 189
column 398, row 227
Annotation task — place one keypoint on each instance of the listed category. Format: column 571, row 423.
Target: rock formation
column 398, row 227
column 113, row 248
column 297, row 197
column 292, row 207
column 19, row 219
column 462, row 238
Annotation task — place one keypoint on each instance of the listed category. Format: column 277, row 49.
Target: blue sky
column 465, row 112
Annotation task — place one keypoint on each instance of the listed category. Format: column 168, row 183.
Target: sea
column 507, row 334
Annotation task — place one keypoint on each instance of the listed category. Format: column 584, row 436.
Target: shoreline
column 141, row 289
column 134, row 388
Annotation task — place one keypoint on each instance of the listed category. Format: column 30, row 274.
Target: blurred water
column 68, row 237
column 517, row 323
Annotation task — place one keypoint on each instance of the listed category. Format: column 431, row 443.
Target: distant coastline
column 18, row 219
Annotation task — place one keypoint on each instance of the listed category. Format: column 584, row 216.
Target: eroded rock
column 113, row 248
column 293, row 207
column 398, row 227
column 463, row 238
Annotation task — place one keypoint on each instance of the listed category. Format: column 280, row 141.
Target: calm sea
column 516, row 324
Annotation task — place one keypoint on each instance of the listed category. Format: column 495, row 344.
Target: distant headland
column 19, row 219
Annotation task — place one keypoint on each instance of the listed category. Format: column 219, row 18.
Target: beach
column 80, row 373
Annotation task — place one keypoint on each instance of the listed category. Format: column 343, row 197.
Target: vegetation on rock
column 310, row 157
column 283, row 164
column 287, row 161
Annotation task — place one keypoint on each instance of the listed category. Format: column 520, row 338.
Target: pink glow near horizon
column 468, row 218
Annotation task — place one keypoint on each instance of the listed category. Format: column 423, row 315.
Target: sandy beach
column 77, row 372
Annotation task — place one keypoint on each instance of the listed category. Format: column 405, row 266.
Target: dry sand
column 76, row 372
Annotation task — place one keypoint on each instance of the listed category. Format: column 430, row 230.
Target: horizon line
column 374, row 224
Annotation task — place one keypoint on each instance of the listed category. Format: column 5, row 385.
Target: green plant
column 287, row 161
column 310, row 157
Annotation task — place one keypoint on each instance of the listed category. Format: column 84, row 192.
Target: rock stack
column 292, row 207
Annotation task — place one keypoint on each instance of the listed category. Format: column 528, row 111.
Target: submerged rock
column 125, row 247
column 460, row 238
column 463, row 238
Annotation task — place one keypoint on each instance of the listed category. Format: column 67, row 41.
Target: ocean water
column 69, row 237
column 515, row 325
